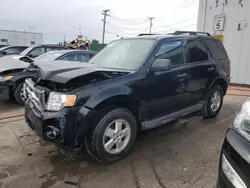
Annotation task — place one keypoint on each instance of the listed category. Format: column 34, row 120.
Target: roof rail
column 191, row 33
column 145, row 34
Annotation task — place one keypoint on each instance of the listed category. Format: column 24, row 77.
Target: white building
column 229, row 19
column 8, row 37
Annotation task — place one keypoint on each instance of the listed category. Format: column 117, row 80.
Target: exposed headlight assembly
column 58, row 101
column 5, row 78
column 242, row 120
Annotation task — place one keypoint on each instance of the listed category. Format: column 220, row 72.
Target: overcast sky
column 54, row 18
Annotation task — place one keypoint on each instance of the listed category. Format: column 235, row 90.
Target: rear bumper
column 69, row 125
column 234, row 168
column 5, row 93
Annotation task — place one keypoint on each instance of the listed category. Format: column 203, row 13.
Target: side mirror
column 4, row 52
column 26, row 59
column 161, row 65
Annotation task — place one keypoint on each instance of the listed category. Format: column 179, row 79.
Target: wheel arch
column 122, row 97
column 221, row 82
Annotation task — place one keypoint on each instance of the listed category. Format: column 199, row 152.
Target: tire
column 209, row 111
column 96, row 139
column 17, row 94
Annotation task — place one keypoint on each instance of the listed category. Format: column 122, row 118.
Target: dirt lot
column 183, row 155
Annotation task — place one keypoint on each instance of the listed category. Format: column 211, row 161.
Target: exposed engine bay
column 78, row 81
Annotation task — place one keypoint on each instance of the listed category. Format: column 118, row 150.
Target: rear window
column 216, row 48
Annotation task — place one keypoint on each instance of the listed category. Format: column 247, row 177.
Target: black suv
column 131, row 85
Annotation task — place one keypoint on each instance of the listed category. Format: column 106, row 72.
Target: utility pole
column 150, row 24
column 64, row 38
column 104, row 12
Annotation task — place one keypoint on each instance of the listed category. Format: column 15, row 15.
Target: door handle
column 182, row 75
column 210, row 69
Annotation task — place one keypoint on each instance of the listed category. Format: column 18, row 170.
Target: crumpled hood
column 63, row 71
column 9, row 63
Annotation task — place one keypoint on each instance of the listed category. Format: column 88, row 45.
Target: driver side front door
column 166, row 90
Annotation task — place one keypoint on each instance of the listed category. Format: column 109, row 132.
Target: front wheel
column 213, row 102
column 19, row 94
column 113, row 137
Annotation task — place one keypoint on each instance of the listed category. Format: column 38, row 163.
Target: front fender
column 112, row 95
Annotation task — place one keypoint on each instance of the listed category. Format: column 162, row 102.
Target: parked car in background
column 132, row 85
column 13, row 72
column 67, row 55
column 10, row 50
column 234, row 168
column 35, row 51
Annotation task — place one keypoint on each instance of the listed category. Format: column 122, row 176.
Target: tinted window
column 69, row 57
column 216, row 48
column 197, row 52
column 13, row 50
column 36, row 52
column 173, row 51
column 84, row 57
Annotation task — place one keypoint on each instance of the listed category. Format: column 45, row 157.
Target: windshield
column 50, row 56
column 23, row 53
column 124, row 54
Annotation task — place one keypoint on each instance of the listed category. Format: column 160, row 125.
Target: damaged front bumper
column 65, row 128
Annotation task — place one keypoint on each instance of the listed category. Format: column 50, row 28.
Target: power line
column 176, row 23
column 112, row 15
column 176, row 28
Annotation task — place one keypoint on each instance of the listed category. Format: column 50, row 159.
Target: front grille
column 241, row 167
column 35, row 95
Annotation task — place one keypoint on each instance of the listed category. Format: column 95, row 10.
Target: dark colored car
column 11, row 50
column 13, row 73
column 132, row 85
column 234, row 168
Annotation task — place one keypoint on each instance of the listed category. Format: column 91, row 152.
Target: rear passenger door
column 202, row 71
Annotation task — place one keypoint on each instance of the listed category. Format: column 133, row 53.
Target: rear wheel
column 213, row 103
column 19, row 94
column 113, row 137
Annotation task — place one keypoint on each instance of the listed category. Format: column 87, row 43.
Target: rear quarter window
column 216, row 49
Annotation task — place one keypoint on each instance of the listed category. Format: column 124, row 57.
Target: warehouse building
column 228, row 21
column 21, row 38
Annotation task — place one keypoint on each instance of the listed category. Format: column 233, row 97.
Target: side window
column 91, row 55
column 172, row 50
column 36, row 52
column 197, row 52
column 12, row 50
column 48, row 49
column 216, row 48
column 69, row 57
column 22, row 49
column 84, row 57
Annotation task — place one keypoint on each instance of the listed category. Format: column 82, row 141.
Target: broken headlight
column 242, row 120
column 58, row 101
